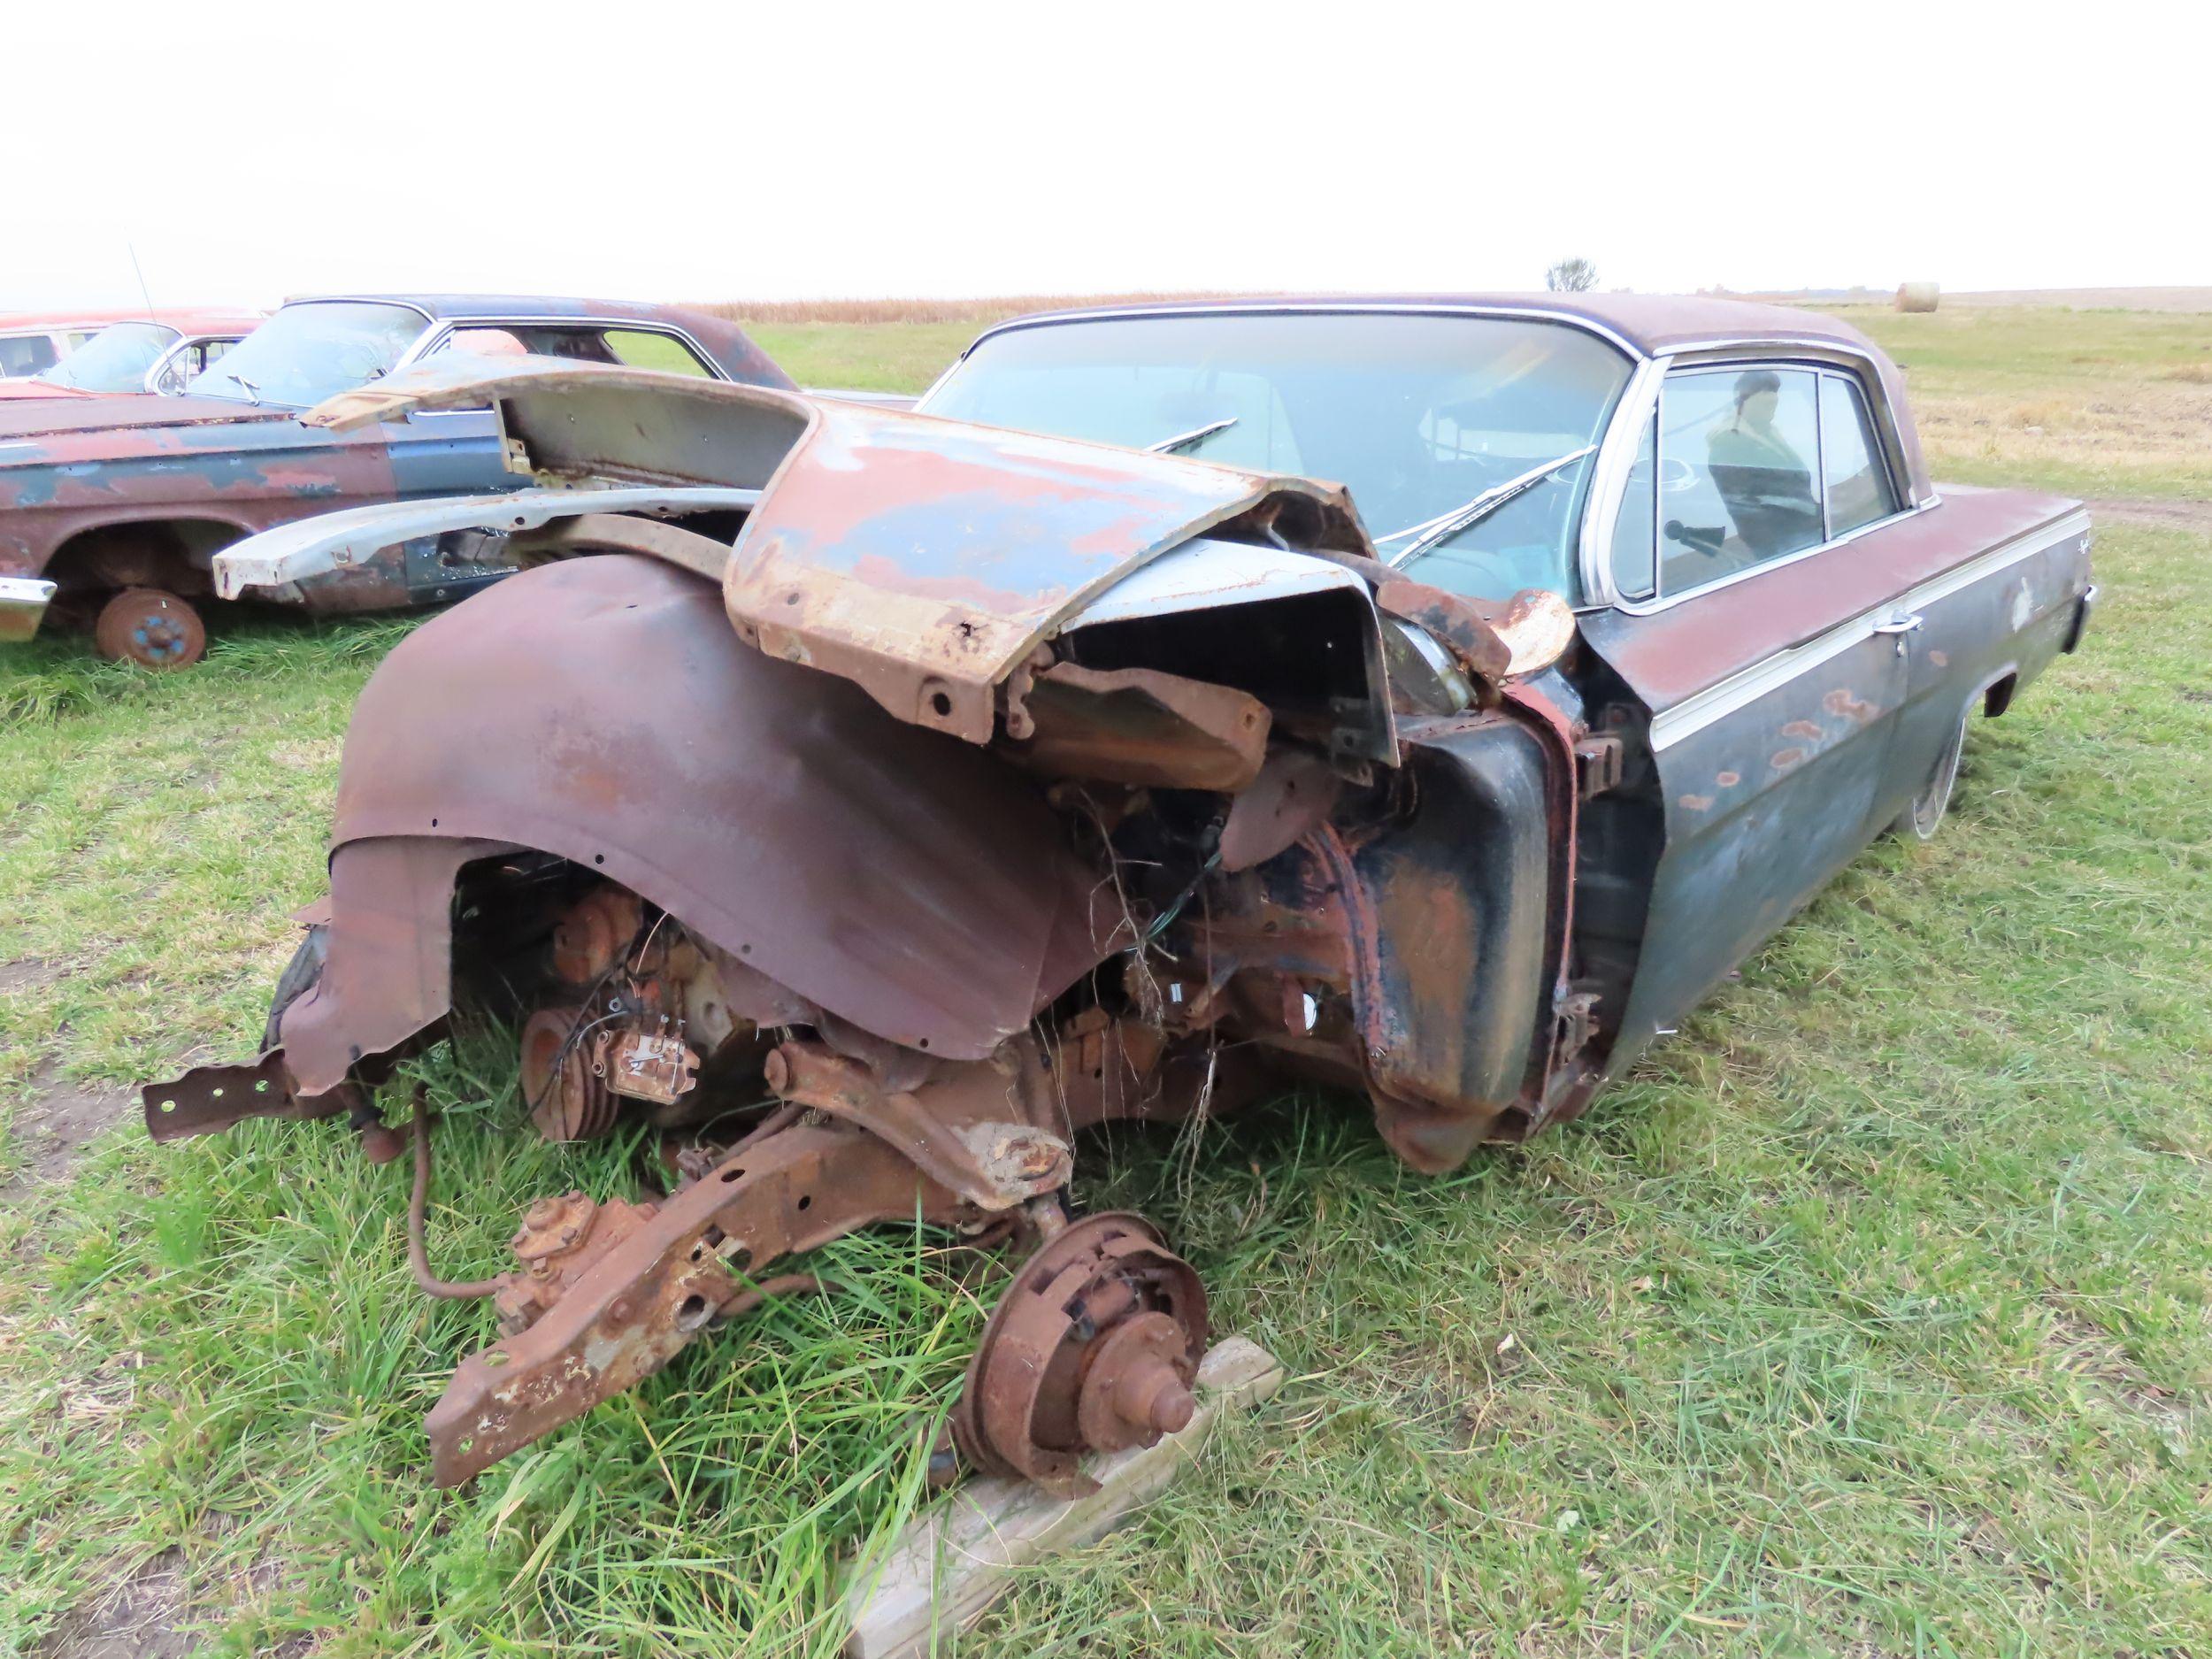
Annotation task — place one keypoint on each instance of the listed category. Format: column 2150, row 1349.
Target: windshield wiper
column 252, row 392
column 1189, row 440
column 1444, row 527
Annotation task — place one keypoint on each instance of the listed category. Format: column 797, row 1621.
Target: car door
column 1772, row 702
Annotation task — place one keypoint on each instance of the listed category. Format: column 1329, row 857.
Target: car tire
column 298, row 978
column 1925, row 815
column 150, row 626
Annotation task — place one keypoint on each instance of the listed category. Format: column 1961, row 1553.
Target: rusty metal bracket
column 1140, row 727
column 967, row 1131
column 623, row 533
column 1600, row 758
column 674, row 1272
column 210, row 1099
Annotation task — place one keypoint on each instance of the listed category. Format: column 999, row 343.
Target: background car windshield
column 1416, row 415
column 311, row 351
column 115, row 359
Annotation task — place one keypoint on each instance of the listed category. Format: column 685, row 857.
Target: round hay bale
column 1917, row 297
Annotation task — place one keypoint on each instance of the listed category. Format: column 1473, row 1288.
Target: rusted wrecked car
column 992, row 783
column 112, row 507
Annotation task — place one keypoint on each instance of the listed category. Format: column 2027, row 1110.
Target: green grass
column 2086, row 403
column 864, row 357
column 1870, row 1318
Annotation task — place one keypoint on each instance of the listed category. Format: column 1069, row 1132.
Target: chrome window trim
column 1881, row 458
column 1608, row 479
column 1665, row 601
column 1747, row 685
column 443, row 329
column 359, row 299
column 151, row 380
column 1820, row 461
column 1288, row 308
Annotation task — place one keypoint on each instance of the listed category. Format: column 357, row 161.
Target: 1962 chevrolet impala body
column 112, row 507
column 1017, row 768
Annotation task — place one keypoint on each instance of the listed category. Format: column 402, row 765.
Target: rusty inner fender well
column 897, row 877
column 1450, row 916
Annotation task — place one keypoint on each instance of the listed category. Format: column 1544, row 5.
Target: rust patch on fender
column 1784, row 759
column 1841, row 701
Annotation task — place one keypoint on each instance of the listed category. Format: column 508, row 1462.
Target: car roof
column 185, row 320
column 205, row 321
column 1649, row 325
column 462, row 307
column 732, row 349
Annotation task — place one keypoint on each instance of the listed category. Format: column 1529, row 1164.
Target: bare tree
column 1571, row 276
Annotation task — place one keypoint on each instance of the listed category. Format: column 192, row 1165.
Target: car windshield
column 1418, row 415
column 115, row 359
column 313, row 350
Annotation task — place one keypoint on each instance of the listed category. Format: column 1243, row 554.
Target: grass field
column 1869, row 1319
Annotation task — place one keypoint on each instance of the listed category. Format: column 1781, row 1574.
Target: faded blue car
column 112, row 509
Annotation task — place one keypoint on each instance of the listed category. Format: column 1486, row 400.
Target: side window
column 26, row 354
column 485, row 342
column 1858, row 487
column 643, row 349
column 640, row 348
column 185, row 361
column 1635, row 533
column 1737, row 452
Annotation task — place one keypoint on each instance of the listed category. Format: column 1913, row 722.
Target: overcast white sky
column 800, row 149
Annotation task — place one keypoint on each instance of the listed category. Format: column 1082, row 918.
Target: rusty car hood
column 19, row 391
column 61, row 416
column 922, row 559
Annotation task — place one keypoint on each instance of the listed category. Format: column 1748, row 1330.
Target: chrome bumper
column 22, row 606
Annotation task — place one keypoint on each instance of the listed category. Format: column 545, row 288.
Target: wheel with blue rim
column 151, row 627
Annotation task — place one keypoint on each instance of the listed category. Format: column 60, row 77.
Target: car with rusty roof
column 113, row 506
column 1431, row 698
column 155, row 352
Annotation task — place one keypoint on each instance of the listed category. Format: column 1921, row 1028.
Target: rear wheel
column 1925, row 815
column 149, row 627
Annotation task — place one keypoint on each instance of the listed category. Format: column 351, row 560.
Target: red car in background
column 32, row 342
column 155, row 352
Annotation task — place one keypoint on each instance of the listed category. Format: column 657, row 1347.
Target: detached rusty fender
column 307, row 547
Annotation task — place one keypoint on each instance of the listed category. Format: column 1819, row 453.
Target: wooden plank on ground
column 959, row 1556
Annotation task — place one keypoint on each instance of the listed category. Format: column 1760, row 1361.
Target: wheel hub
column 1093, row 1348
column 150, row 628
